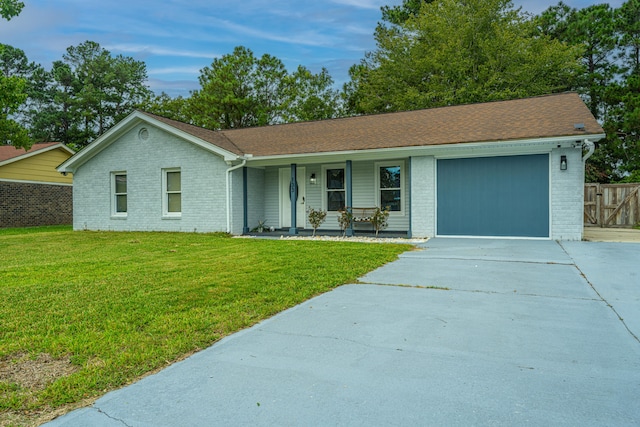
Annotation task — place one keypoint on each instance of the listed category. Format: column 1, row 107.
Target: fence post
column 599, row 210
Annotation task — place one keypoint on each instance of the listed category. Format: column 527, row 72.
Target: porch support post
column 245, row 203
column 349, row 195
column 293, row 195
column 408, row 195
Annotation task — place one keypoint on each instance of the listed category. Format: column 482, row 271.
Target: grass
column 118, row 305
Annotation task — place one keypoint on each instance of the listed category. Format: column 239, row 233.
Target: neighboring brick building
column 32, row 191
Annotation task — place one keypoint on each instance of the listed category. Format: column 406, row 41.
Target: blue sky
column 177, row 38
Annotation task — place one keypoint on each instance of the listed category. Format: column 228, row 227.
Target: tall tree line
column 609, row 80
column 428, row 53
column 447, row 52
column 83, row 94
column 444, row 52
column 242, row 90
column 89, row 90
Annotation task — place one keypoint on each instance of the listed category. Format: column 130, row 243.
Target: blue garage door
column 494, row 196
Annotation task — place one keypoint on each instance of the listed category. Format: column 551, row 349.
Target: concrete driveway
column 476, row 332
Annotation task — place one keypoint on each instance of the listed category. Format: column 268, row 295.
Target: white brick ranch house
column 499, row 169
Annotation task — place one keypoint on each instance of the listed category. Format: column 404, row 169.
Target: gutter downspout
column 231, row 169
column 591, row 146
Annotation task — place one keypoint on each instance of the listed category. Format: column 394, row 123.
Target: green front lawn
column 110, row 307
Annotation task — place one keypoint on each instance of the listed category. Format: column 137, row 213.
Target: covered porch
column 278, row 197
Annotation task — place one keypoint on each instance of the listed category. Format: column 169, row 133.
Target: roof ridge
column 386, row 113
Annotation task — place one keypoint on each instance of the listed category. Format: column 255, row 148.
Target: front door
column 285, row 201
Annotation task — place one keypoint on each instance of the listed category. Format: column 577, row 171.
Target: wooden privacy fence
column 611, row 205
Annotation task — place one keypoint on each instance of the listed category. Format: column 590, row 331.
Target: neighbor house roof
column 9, row 152
column 530, row 118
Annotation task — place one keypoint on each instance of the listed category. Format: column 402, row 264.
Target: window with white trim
column 390, row 186
column 335, row 188
column 119, row 193
column 172, row 192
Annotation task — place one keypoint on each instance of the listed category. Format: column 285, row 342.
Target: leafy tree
column 628, row 26
column 14, row 62
column 310, row 96
column 622, row 122
column 166, row 106
column 399, row 14
column 593, row 28
column 241, row 90
column 610, row 82
column 109, row 87
column 10, row 8
column 60, row 117
column 238, row 90
column 87, row 92
column 13, row 94
column 453, row 52
column 555, row 20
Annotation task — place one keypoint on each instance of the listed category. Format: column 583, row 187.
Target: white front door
column 285, row 201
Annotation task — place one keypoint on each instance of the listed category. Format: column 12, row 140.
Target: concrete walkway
column 475, row 332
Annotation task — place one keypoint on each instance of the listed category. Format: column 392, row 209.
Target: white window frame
column 114, row 195
column 325, row 201
column 166, row 192
column 403, row 170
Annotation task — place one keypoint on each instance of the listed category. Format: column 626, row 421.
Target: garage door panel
column 494, row 196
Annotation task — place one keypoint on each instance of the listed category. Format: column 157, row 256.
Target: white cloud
column 175, row 70
column 173, row 87
column 361, row 4
column 307, row 38
column 160, row 51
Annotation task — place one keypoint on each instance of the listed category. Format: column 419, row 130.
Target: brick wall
column 423, row 196
column 204, row 196
column 567, row 194
column 28, row 205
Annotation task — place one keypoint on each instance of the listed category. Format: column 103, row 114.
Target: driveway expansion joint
column 480, row 291
column 515, row 292
column 516, row 261
column 584, row 276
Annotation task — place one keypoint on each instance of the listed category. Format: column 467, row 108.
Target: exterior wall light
column 563, row 163
column 312, row 179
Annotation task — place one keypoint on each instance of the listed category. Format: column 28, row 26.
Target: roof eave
column 442, row 150
column 103, row 141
